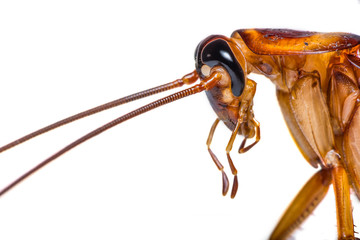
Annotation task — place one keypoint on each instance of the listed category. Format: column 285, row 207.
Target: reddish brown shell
column 289, row 42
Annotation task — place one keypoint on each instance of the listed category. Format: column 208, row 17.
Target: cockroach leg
column 351, row 160
column 218, row 164
column 304, row 146
column 303, row 204
column 234, row 172
column 242, row 148
column 341, row 186
column 232, row 166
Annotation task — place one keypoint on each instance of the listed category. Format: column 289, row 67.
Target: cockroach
column 317, row 77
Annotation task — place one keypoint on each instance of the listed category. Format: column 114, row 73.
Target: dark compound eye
column 215, row 51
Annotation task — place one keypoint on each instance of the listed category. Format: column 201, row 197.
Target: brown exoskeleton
column 317, row 79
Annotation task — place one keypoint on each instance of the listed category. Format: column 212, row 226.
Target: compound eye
column 215, row 51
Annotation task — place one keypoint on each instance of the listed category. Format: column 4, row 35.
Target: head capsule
column 216, row 51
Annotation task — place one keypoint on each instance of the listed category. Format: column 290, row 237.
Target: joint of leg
column 332, row 159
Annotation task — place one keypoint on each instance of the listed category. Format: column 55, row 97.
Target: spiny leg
column 345, row 225
column 225, row 180
column 303, row 204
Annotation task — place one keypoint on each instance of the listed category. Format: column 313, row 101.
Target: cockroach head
column 216, row 50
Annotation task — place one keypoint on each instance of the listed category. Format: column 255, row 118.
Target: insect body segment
column 317, row 88
column 317, row 79
column 292, row 42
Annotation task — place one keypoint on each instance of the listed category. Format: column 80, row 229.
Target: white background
column 151, row 177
